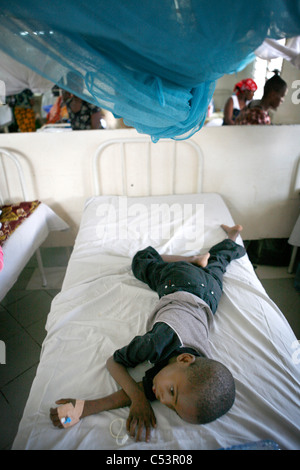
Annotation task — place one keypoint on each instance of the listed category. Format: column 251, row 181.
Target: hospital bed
column 32, row 227
column 152, row 194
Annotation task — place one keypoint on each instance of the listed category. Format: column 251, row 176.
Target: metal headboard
column 148, row 149
column 6, row 190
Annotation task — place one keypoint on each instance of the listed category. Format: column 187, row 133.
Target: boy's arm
column 141, row 414
column 124, row 379
column 114, row 401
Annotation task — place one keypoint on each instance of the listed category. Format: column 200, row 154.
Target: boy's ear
column 186, row 358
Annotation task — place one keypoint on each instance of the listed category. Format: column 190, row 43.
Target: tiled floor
column 23, row 316
column 22, row 320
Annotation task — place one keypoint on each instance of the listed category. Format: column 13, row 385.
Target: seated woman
column 257, row 112
column 244, row 91
column 72, row 108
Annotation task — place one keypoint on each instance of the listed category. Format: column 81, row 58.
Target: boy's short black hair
column 215, row 388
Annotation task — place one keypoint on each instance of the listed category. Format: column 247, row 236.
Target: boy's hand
column 140, row 416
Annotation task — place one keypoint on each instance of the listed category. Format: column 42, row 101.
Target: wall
column 289, row 112
column 253, row 168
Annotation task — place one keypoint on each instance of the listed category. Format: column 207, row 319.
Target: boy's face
column 172, row 388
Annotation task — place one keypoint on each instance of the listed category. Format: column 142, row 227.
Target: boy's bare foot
column 232, row 232
column 201, row 260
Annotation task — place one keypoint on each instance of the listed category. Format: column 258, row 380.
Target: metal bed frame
column 148, row 146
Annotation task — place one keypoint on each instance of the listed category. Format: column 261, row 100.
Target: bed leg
column 292, row 260
column 41, row 267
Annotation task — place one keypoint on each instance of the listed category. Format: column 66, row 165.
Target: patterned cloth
column 251, row 116
column 21, row 100
column 82, row 119
column 246, row 84
column 13, row 215
column 25, row 119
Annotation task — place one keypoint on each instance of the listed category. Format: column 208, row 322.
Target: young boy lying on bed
column 184, row 376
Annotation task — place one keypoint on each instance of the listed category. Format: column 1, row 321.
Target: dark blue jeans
column 166, row 278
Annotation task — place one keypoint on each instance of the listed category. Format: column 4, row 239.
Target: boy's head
column 199, row 389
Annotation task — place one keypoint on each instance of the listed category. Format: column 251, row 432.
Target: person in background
column 244, row 91
column 257, row 112
column 82, row 115
column 58, row 112
column 69, row 107
column 22, row 107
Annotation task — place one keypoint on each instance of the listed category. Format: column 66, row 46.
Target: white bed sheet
column 26, row 239
column 102, row 306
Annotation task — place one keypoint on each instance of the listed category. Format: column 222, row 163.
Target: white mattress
column 24, row 241
column 102, row 306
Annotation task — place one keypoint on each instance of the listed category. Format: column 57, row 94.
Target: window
column 264, row 69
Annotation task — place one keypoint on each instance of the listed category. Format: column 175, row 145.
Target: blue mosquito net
column 152, row 62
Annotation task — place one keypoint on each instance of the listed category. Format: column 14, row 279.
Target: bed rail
column 148, row 147
column 5, row 190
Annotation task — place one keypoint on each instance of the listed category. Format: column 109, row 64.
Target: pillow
column 12, row 215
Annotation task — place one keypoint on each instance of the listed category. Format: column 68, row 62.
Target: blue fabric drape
column 152, row 62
